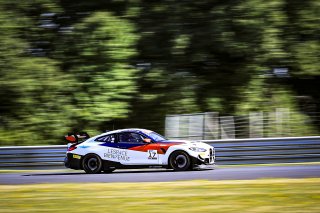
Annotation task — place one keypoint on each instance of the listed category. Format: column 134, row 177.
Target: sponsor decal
column 120, row 155
column 152, row 154
column 76, row 156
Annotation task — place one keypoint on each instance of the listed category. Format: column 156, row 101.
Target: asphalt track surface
column 161, row 175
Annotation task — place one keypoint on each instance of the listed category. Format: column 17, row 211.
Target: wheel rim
column 93, row 164
column 181, row 161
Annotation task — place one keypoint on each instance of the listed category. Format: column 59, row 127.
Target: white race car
column 135, row 148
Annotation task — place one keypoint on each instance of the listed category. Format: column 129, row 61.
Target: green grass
column 265, row 195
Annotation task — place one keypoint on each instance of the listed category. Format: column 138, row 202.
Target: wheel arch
column 173, row 149
column 179, row 150
column 90, row 153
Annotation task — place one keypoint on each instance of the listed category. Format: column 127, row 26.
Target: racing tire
column 92, row 164
column 179, row 161
column 108, row 170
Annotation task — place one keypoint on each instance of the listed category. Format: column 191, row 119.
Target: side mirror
column 147, row 140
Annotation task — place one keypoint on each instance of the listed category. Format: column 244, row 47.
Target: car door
column 106, row 147
column 137, row 150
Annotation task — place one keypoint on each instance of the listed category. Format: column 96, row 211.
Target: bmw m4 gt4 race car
column 135, row 148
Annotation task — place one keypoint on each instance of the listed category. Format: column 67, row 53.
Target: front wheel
column 92, row 164
column 179, row 161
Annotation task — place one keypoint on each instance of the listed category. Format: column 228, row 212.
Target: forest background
column 96, row 65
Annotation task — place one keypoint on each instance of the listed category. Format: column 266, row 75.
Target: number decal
column 152, row 154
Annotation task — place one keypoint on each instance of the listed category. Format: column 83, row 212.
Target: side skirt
column 116, row 165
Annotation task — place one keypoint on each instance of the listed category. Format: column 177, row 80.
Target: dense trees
column 96, row 65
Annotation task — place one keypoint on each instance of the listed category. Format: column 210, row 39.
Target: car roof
column 129, row 130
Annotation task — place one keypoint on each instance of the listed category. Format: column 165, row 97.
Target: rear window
column 106, row 138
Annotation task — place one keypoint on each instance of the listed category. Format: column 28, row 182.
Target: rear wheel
column 92, row 164
column 179, row 161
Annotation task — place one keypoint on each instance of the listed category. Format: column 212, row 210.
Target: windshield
column 156, row 137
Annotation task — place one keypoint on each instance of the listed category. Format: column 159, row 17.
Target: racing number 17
column 152, row 154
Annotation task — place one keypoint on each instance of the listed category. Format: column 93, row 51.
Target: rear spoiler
column 76, row 137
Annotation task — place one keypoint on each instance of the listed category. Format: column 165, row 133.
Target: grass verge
column 264, row 195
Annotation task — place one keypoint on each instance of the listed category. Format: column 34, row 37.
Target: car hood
column 187, row 142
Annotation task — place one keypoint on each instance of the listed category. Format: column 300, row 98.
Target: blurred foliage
column 97, row 65
column 103, row 80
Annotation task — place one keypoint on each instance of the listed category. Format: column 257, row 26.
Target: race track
column 156, row 175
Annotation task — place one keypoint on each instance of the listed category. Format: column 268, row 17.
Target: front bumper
column 205, row 158
column 73, row 161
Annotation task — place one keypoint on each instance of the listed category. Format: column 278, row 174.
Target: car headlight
column 197, row 149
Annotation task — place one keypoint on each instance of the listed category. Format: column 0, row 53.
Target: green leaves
column 72, row 65
column 104, row 79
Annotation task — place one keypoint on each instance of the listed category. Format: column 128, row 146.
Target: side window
column 130, row 137
column 106, row 138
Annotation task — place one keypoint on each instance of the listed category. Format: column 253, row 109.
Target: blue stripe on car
column 121, row 145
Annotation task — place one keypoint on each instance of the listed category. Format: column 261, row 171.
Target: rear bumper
column 73, row 162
